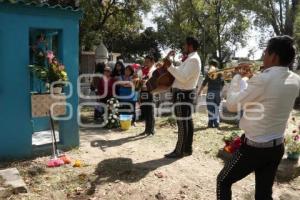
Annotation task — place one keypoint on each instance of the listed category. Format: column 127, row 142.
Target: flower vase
column 293, row 156
column 57, row 90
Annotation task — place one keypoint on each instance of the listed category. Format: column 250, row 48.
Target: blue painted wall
column 16, row 125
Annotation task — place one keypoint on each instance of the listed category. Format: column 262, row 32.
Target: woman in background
column 127, row 93
column 119, row 70
column 99, row 70
column 105, row 87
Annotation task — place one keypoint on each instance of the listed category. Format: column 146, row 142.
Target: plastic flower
column 293, row 143
column 61, row 67
column 50, row 56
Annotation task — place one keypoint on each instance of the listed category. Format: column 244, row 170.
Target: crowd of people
column 265, row 101
column 127, row 84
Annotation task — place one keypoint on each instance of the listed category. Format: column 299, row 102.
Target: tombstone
column 21, row 23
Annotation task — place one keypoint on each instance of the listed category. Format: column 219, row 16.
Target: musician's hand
column 159, row 65
column 249, row 75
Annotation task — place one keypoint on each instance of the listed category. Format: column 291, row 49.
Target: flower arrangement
column 292, row 142
column 232, row 142
column 49, row 70
column 57, row 72
column 113, row 120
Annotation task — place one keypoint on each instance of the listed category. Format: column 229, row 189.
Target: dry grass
column 123, row 166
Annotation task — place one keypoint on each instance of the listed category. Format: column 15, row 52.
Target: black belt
column 181, row 90
column 270, row 144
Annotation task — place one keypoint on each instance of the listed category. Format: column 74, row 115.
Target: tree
column 54, row 2
column 279, row 14
column 219, row 25
column 137, row 45
column 105, row 19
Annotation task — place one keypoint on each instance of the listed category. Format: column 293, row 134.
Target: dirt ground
column 121, row 165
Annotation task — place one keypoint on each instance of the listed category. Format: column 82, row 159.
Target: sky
column 252, row 41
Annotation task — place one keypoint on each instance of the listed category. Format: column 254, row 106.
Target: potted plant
column 57, row 73
column 292, row 142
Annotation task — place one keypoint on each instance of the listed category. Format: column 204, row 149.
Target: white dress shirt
column 188, row 73
column 244, row 83
column 267, row 102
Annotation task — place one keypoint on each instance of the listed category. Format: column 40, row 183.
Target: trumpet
column 229, row 72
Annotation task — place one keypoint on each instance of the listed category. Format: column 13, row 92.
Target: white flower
column 115, row 116
column 111, row 102
column 106, row 122
column 113, row 121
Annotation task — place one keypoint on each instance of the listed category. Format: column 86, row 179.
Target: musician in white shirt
column 146, row 97
column 183, row 88
column 267, row 102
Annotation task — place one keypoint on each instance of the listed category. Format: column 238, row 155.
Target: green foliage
column 107, row 20
column 279, row 14
column 297, row 27
column 219, row 25
column 137, row 45
column 57, row 73
column 40, row 72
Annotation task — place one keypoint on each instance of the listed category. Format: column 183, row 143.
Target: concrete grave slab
column 288, row 170
column 11, row 182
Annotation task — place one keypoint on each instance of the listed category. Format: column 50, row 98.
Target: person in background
column 267, row 103
column 105, row 86
column 243, row 73
column 213, row 97
column 119, row 70
column 146, row 97
column 127, row 94
column 99, row 70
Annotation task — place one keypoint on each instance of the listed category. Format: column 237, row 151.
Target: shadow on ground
column 123, row 169
column 103, row 144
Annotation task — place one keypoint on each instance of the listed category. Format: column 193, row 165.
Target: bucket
column 125, row 121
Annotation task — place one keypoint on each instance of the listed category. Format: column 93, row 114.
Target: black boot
column 174, row 155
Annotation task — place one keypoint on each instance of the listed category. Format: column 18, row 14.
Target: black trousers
column 262, row 161
column 183, row 102
column 147, row 109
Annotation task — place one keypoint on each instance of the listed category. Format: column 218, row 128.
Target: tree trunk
column 290, row 17
column 218, row 26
